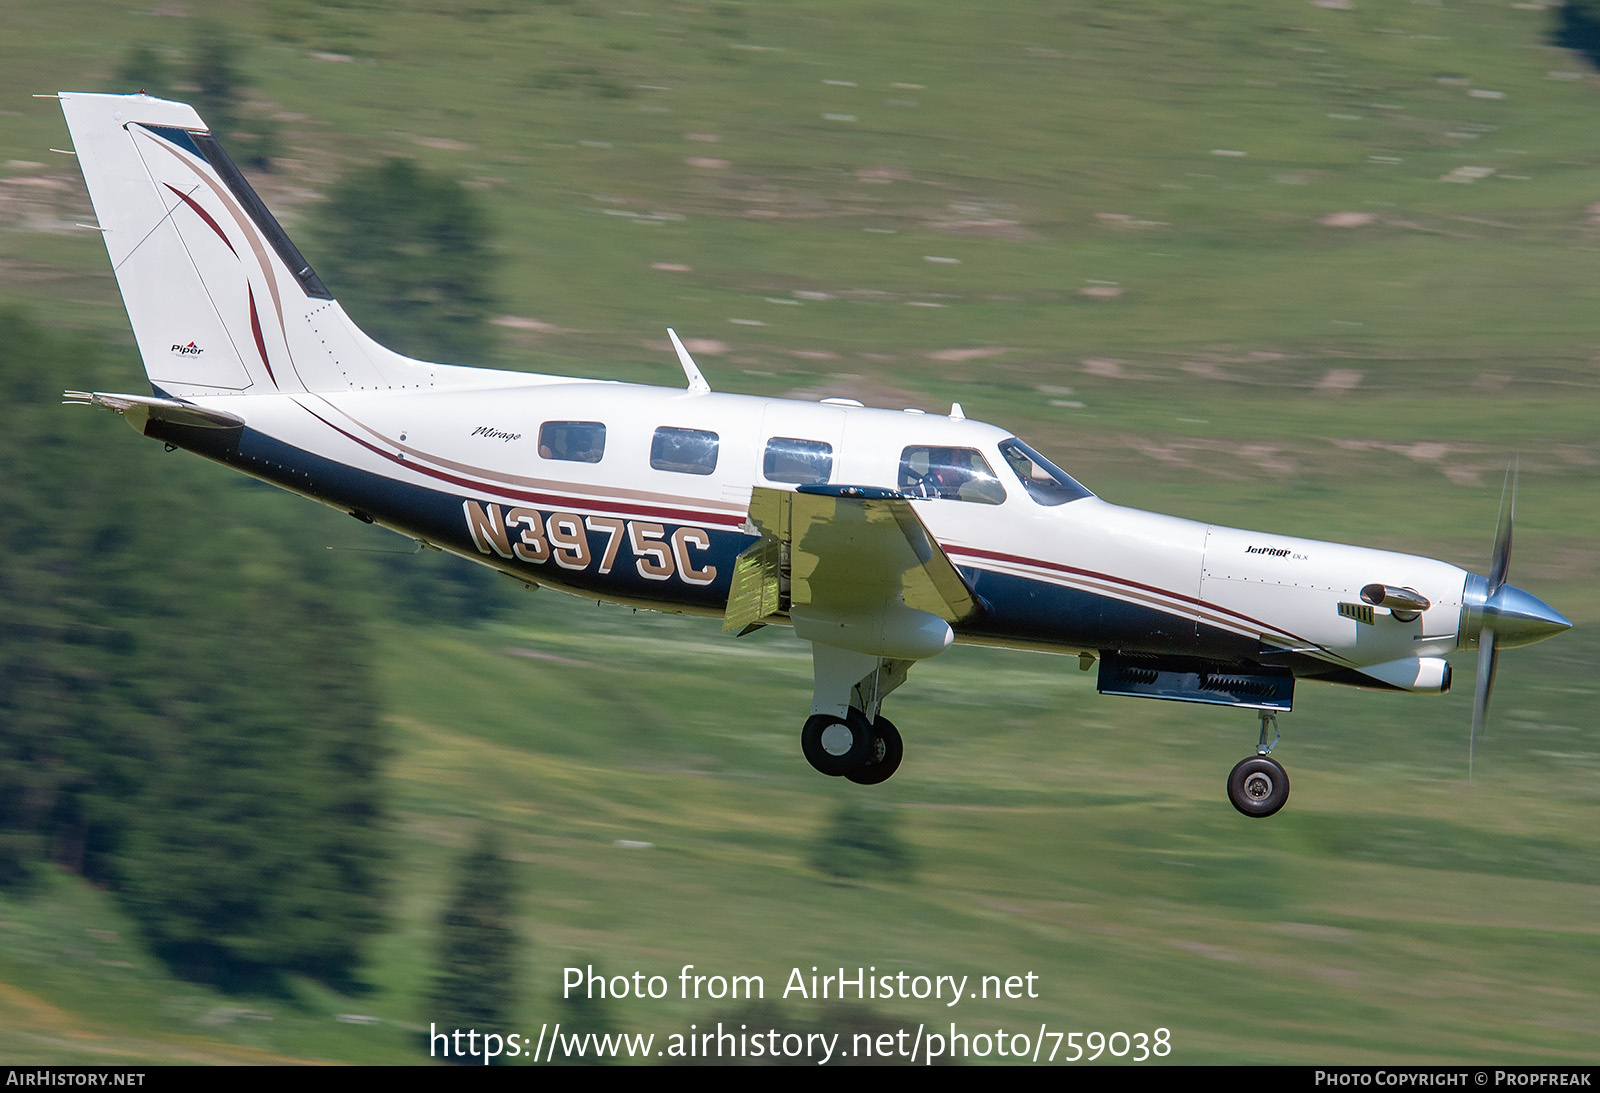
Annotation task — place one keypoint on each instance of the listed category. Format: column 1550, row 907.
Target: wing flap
column 849, row 550
column 757, row 592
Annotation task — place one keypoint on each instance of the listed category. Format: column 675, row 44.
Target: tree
column 72, row 732
column 186, row 712
column 475, row 987
column 216, row 77
column 431, row 587
column 259, row 847
column 1578, row 27
column 252, row 141
column 218, row 92
column 407, row 252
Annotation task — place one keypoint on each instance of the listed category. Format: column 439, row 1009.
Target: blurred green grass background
column 1313, row 269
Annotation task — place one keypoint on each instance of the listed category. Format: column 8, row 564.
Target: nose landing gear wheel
column 884, row 759
column 1258, row 786
column 837, row 746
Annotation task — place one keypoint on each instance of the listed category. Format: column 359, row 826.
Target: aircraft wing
column 848, row 551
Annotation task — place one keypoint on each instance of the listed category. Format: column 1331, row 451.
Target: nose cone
column 1520, row 618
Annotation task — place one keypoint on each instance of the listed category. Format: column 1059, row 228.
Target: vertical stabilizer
column 220, row 299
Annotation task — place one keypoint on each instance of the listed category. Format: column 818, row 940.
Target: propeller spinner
column 1496, row 614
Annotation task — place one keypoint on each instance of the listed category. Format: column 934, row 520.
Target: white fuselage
column 1081, row 576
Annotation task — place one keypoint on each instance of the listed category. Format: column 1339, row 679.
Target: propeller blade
column 1488, row 647
column 1500, row 561
column 1503, row 613
column 1488, row 661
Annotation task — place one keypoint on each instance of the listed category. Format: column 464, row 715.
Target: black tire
column 1258, row 786
column 887, row 751
column 837, row 747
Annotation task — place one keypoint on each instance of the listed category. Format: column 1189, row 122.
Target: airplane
column 880, row 536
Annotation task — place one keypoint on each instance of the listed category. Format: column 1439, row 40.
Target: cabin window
column 1045, row 482
column 684, row 451
column 800, row 462
column 572, row 441
column 949, row 474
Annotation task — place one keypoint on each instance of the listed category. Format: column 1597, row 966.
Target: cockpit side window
column 1045, row 482
column 572, row 441
column 949, row 474
column 800, row 462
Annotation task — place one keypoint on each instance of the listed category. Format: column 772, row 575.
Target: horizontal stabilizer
column 140, row 410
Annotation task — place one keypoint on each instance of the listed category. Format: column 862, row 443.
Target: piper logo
column 190, row 350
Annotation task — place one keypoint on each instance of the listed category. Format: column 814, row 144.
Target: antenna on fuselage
column 697, row 382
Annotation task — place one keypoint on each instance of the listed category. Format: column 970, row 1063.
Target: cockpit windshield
column 1045, row 482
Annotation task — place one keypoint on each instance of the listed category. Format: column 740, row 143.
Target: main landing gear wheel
column 1258, row 786
column 838, row 747
column 884, row 759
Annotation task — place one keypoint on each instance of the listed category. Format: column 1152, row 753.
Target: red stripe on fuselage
column 567, row 501
column 559, row 501
column 1014, row 559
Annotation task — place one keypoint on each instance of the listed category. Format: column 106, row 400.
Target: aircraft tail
column 221, row 301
